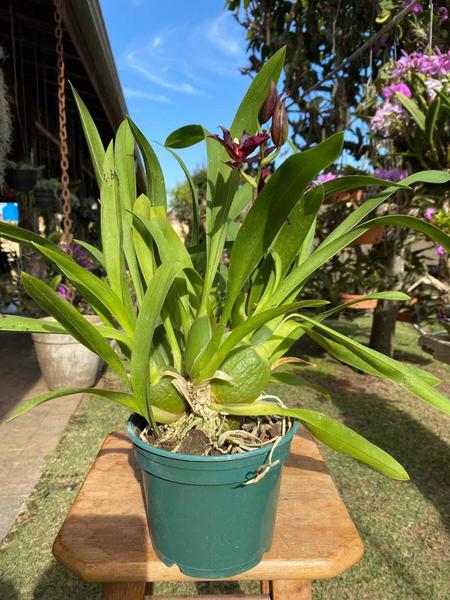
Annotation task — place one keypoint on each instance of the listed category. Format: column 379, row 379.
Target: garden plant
column 200, row 329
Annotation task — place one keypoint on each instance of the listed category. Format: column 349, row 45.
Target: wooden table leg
column 123, row 591
column 291, row 590
column 265, row 587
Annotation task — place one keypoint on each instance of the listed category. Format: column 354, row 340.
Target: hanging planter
column 22, row 179
column 45, row 199
column 374, row 235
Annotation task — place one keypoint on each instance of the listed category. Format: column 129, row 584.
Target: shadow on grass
column 8, row 591
column 423, row 454
column 412, row 357
column 58, row 582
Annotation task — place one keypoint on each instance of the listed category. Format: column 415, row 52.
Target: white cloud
column 184, row 88
column 133, row 93
column 222, row 34
column 185, row 58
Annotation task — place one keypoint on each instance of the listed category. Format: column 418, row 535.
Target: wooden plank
column 123, row 591
column 291, row 590
column 214, row 597
column 105, row 536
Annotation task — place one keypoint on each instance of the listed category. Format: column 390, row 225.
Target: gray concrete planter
column 64, row 362
column 437, row 345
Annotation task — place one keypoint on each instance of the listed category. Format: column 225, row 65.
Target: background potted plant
column 46, row 193
column 62, row 359
column 202, row 329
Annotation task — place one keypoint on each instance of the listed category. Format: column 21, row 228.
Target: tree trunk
column 385, row 314
column 383, row 327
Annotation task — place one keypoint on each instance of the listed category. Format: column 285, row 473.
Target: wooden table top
column 105, row 536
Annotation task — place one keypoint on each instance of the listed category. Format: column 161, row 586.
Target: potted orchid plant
column 203, row 328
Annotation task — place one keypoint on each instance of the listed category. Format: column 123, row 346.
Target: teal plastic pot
column 201, row 515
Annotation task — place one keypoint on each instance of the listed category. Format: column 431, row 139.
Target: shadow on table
column 8, row 591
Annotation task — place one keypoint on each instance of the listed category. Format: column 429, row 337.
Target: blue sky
column 178, row 63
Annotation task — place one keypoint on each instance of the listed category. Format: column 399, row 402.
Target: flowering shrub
column 441, row 219
column 413, row 107
column 395, row 175
column 62, row 285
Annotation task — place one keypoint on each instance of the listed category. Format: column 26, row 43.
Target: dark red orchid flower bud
column 265, row 173
column 280, row 125
column 266, row 110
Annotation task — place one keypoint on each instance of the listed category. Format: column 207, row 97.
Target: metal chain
column 67, row 237
column 67, row 222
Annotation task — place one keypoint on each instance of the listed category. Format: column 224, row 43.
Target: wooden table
column 105, row 537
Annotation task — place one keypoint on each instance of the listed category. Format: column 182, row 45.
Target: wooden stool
column 105, row 537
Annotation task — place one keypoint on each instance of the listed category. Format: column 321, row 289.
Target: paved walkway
column 25, row 442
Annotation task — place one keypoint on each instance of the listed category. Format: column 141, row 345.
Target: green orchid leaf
column 93, row 139
column 348, row 357
column 195, row 201
column 72, row 321
column 169, row 244
column 111, row 231
column 271, row 209
column 347, row 183
column 295, row 231
column 93, row 289
column 244, row 329
column 96, row 253
column 325, row 251
column 156, row 188
column 413, row 109
column 124, row 166
column 186, row 136
column 396, row 296
column 388, row 368
column 433, row 177
column 31, row 325
column 431, row 231
column 246, row 118
column 24, row 236
column 147, row 320
column 142, row 239
column 431, row 118
column 122, row 398
column 333, row 434
column 241, row 200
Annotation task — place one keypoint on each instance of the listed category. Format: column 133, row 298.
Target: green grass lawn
column 404, row 526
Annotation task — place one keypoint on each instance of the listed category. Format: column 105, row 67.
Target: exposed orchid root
column 255, row 432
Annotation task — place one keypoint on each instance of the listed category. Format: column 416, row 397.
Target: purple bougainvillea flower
column 440, row 251
column 401, row 88
column 240, row 150
column 417, row 8
column 429, row 213
column 394, row 175
column 62, row 292
column 443, row 13
column 328, row 176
